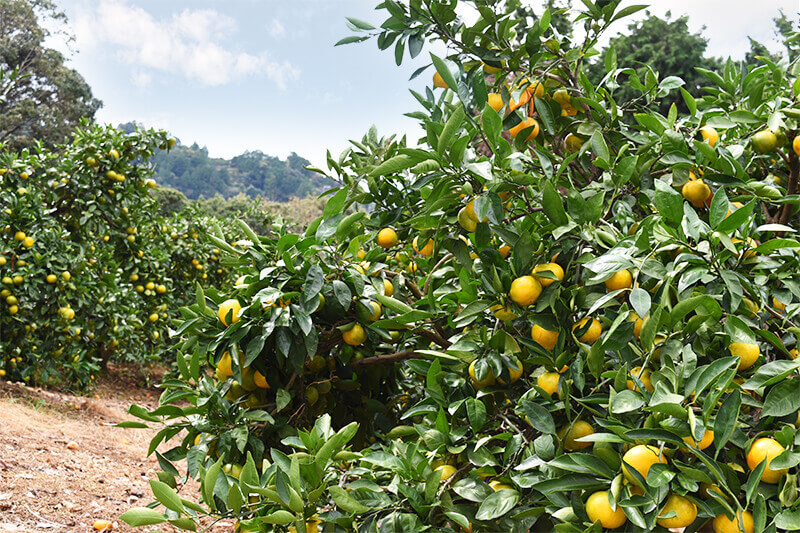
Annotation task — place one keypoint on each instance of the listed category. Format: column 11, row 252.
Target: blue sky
column 236, row 75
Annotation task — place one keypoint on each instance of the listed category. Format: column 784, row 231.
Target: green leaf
column 600, row 147
column 546, row 114
column 691, row 103
column 209, row 481
column 280, row 517
column 142, row 516
column 538, row 417
column 335, row 204
column 444, row 71
column 450, row 128
column 736, row 218
column 390, row 166
column 497, row 504
column 640, row 300
column 360, row 24
column 668, row 202
column 719, row 208
column 552, row 205
column 726, row 420
column 492, row 125
column 346, row 502
column 166, row 496
column 476, row 414
column 770, row 374
column 626, row 402
column 782, row 399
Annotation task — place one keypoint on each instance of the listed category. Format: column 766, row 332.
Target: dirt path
column 62, row 463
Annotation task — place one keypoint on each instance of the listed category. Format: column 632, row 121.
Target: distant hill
column 190, row 170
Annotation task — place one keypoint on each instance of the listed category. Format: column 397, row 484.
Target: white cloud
column 191, row 42
column 276, row 29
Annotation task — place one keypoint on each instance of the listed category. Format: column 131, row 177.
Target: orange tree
column 87, row 272
column 563, row 311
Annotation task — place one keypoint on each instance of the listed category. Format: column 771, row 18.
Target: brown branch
column 552, row 76
column 388, row 358
column 414, row 289
column 438, row 338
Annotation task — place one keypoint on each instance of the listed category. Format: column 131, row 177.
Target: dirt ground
column 64, row 465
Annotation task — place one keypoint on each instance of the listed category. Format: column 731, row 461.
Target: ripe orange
column 641, row 375
column 591, row 334
column 355, row 336
column 514, row 372
column 569, row 435
column 260, row 380
column 553, row 268
column 438, row 81
column 103, row 525
column 545, row 338
column 425, row 250
column 447, row 471
column 599, row 509
column 705, row 442
column 499, row 485
column 527, row 123
column 764, row 141
column 388, row 288
column 525, row 290
column 562, row 97
column 232, row 307
column 640, row 458
column 465, row 221
column 638, row 323
column 621, row 279
column 549, row 382
column 573, row 143
column 496, row 101
column 387, row 238
column 469, row 209
column 746, row 352
column 503, row 313
column 487, row 381
column 709, row 135
column 685, row 509
column 696, row 192
column 723, row 524
column 766, row 448
column 796, row 145
column 225, row 365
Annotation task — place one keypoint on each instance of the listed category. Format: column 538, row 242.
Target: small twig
column 388, row 358
column 438, row 338
column 436, row 267
column 44, row 519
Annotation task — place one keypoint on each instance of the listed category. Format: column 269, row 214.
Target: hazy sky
column 236, row 75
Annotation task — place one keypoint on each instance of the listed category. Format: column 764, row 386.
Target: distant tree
column 664, row 45
column 48, row 99
column 785, row 32
column 170, row 200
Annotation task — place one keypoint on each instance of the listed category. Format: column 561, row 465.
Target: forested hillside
column 256, row 174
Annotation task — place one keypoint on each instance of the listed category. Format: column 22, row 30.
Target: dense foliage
column 87, row 272
column 255, row 174
column 47, row 99
column 566, row 312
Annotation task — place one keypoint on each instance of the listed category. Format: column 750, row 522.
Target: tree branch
column 388, row 358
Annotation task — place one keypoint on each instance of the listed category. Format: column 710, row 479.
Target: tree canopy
column 48, row 99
